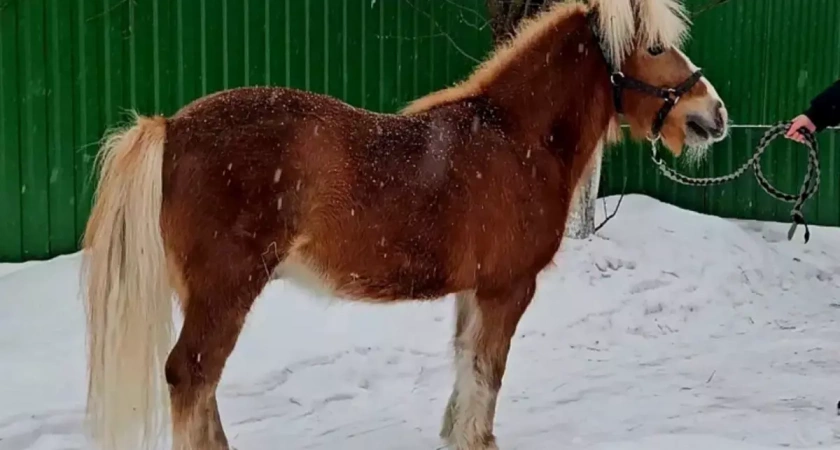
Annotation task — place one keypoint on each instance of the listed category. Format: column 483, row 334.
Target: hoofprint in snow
column 668, row 330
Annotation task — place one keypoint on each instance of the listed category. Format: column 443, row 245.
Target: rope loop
column 809, row 187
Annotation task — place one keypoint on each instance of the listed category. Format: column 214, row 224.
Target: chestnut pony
column 465, row 192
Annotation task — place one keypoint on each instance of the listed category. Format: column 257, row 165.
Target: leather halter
column 620, row 82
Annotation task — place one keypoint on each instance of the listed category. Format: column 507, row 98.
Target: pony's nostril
column 696, row 126
column 707, row 126
column 720, row 117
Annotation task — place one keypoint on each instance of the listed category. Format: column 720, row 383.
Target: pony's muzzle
column 709, row 126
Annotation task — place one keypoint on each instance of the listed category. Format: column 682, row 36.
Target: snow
column 668, row 330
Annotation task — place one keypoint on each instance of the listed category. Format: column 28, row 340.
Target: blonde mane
column 660, row 22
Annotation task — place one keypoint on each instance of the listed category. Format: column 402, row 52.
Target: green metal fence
column 70, row 68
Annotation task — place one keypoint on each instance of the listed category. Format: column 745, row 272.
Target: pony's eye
column 656, row 50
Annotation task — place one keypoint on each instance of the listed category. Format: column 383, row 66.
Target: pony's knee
column 176, row 371
column 184, row 368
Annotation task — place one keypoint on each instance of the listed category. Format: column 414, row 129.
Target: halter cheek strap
column 670, row 95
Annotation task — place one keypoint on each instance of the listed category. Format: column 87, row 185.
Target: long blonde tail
column 129, row 300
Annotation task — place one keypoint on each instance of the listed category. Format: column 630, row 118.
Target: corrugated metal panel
column 764, row 69
column 767, row 59
column 59, row 100
column 11, row 229
column 34, row 164
column 70, row 68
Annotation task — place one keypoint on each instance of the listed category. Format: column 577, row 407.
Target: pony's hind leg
column 215, row 304
column 485, row 325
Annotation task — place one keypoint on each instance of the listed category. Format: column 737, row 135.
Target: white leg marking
column 474, row 399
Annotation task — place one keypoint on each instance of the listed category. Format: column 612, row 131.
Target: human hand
column 798, row 122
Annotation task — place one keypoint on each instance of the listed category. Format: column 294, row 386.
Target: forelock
column 661, row 22
column 625, row 24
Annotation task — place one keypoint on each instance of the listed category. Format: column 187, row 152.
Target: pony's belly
column 367, row 284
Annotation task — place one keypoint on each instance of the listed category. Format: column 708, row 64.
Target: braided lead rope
column 809, row 185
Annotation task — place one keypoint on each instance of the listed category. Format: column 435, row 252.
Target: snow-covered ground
column 669, row 330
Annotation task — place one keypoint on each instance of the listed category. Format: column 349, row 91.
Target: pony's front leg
column 485, row 325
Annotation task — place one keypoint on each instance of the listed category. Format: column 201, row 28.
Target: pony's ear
column 661, row 22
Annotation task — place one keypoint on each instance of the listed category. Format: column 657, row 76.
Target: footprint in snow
column 614, row 264
column 647, row 285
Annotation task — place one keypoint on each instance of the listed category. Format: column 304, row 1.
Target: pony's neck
column 558, row 89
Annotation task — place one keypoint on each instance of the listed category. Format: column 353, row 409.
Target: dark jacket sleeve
column 825, row 107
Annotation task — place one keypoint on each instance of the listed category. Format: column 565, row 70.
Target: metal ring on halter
column 614, row 75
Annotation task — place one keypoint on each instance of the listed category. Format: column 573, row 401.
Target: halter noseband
column 620, row 82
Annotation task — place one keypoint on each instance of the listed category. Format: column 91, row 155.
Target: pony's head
column 656, row 87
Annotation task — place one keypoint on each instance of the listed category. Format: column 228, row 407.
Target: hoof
column 451, row 444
